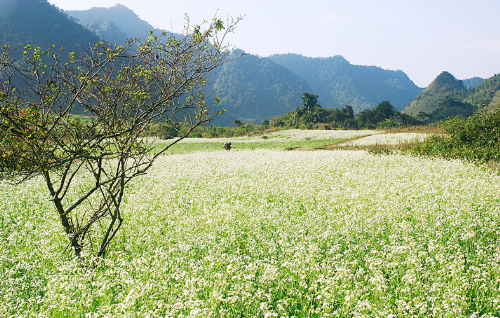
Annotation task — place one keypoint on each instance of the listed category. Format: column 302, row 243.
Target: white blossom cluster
column 269, row 233
column 387, row 139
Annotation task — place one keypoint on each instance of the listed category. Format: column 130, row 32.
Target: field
column 282, row 140
column 269, row 233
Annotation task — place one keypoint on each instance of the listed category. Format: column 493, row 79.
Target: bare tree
column 87, row 164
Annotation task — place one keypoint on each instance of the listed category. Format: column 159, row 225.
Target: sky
column 420, row 37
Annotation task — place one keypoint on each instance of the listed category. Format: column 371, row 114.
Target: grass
column 279, row 140
column 269, row 233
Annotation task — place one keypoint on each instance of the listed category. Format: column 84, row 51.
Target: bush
column 389, row 123
column 475, row 138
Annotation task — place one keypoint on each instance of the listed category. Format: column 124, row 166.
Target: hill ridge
column 339, row 83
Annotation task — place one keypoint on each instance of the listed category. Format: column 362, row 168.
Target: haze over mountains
column 251, row 88
column 117, row 23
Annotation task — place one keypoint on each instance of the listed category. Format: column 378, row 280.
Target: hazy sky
column 420, row 37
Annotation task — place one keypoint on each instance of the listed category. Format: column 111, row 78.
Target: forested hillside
column 486, row 94
column 447, row 97
column 252, row 88
column 339, row 83
column 39, row 23
column 445, row 86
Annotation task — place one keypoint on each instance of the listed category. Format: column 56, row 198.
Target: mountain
column 252, row 89
column 117, row 23
column 339, row 83
column 39, row 23
column 472, row 82
column 447, row 97
column 443, row 87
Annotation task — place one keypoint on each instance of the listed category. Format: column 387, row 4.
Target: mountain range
column 254, row 88
column 251, row 88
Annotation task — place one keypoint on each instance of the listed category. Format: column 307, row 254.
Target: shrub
column 475, row 138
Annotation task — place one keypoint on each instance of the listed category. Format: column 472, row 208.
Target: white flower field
column 269, row 233
column 387, row 139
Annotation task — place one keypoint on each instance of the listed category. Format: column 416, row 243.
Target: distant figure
column 227, row 145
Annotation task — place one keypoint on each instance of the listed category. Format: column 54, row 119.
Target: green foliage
column 310, row 110
column 475, row 138
column 214, row 131
column 265, row 123
column 19, row 135
column 389, row 123
column 449, row 108
column 309, row 116
column 384, row 116
column 313, row 116
column 468, row 135
column 165, row 130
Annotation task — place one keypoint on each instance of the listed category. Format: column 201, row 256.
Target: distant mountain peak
column 445, row 76
column 124, row 18
column 443, row 87
column 446, row 82
column 122, row 9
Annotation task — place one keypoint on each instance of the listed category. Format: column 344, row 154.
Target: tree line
column 308, row 116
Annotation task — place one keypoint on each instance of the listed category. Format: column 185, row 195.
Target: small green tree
column 122, row 90
column 309, row 109
column 265, row 123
